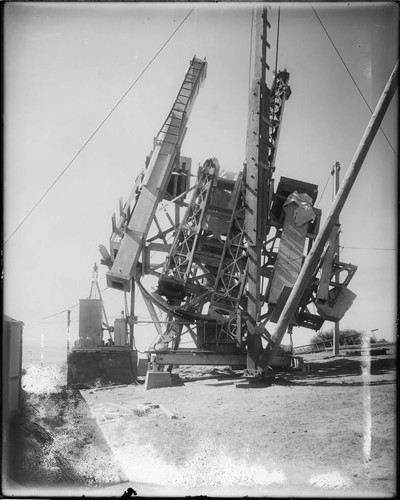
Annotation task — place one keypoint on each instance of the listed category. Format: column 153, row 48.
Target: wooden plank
column 290, row 255
column 167, row 412
column 109, row 387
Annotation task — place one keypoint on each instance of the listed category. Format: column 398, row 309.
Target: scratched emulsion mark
column 331, row 480
column 221, row 470
column 43, row 379
column 209, row 466
column 366, row 376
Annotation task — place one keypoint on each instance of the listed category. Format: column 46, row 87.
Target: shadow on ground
column 337, row 370
column 184, row 378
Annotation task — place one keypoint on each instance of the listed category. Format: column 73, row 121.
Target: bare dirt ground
column 54, row 445
column 328, row 432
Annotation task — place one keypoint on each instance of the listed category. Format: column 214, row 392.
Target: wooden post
column 68, row 333
column 336, row 182
column 41, row 348
column 132, row 315
column 290, row 332
column 313, row 257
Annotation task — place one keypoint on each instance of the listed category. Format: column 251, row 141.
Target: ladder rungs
column 268, row 121
column 169, row 125
column 266, row 42
column 263, row 165
column 266, row 20
column 265, row 64
column 188, row 89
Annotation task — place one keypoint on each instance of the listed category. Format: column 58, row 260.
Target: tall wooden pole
column 253, row 201
column 336, row 182
column 132, row 314
column 41, row 348
column 68, row 331
column 313, row 257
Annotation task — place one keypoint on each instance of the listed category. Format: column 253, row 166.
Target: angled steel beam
column 132, row 236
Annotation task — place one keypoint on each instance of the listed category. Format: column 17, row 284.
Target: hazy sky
column 67, row 64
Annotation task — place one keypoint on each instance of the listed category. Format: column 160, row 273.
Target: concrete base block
column 155, row 380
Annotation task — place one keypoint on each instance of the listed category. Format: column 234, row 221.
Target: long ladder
column 264, row 121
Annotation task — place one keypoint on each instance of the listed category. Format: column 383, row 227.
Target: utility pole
column 68, row 333
column 335, row 172
column 132, row 315
column 41, row 348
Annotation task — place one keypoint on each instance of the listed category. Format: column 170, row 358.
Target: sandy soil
column 328, row 432
column 301, row 434
column 54, row 444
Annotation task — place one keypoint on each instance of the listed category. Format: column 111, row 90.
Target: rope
column 370, row 248
column 329, row 176
column 351, row 76
column 65, row 310
column 96, row 130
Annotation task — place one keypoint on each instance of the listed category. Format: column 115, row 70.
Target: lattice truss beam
column 205, row 271
column 223, row 267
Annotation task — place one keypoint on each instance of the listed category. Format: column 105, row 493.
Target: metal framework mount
column 227, row 249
